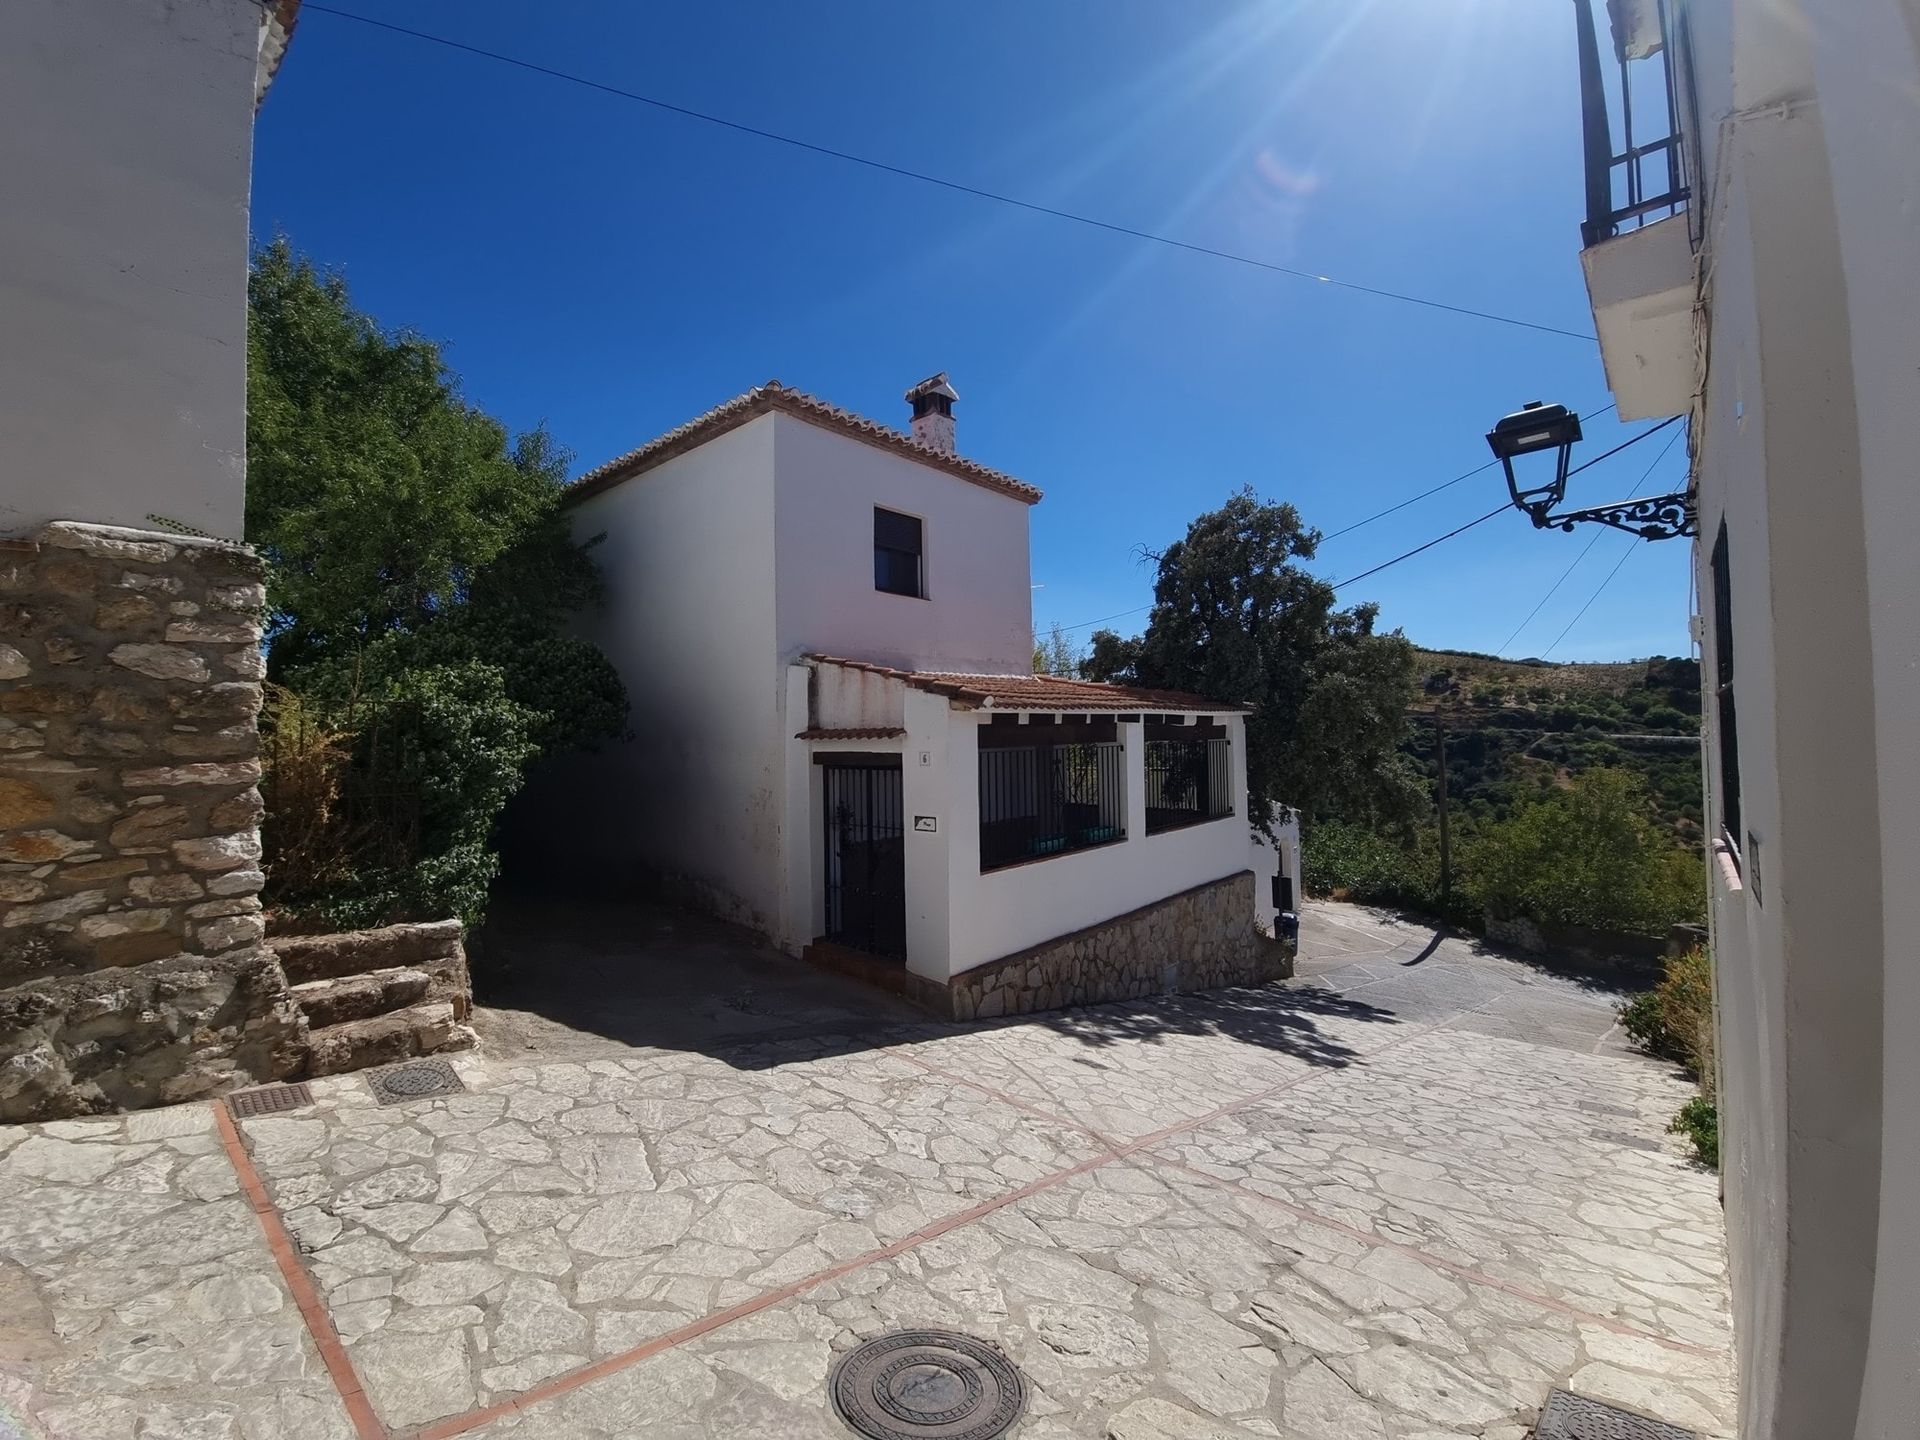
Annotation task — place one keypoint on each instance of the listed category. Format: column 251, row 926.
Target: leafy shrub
column 1366, row 866
column 1699, row 1121
column 1674, row 1021
column 417, row 768
column 421, row 580
column 1591, row 855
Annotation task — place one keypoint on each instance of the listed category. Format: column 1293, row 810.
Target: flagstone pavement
column 1395, row 1199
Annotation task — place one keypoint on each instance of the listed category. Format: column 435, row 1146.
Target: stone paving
column 1355, row 1206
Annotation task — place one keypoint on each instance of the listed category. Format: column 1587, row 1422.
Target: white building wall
column 126, row 136
column 1808, row 209
column 1867, row 72
column 978, row 614
column 1002, row 912
column 700, row 792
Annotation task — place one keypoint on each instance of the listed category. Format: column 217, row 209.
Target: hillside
column 1519, row 725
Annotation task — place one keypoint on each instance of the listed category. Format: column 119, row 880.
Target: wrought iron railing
column 1041, row 800
column 1188, row 782
column 1632, row 180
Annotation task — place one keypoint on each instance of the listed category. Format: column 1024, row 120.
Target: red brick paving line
column 574, row 1379
column 1464, row 1272
column 326, row 1339
column 613, row 1364
column 1140, row 1149
column 329, row 1344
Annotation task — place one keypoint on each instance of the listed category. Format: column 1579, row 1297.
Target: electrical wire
column 1447, row 485
column 1634, row 440
column 1419, row 549
column 1630, row 440
column 924, row 178
column 1138, row 609
column 1566, row 573
column 1389, row 564
column 1593, row 597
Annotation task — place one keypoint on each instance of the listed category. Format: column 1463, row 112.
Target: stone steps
column 360, row 997
column 383, row 1039
column 328, row 957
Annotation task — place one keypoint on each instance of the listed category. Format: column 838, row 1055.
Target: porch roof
column 1037, row 692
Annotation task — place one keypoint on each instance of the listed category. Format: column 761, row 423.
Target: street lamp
column 1534, row 429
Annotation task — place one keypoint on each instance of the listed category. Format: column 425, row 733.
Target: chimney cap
column 933, row 385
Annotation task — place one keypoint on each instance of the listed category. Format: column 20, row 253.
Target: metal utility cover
column 1576, row 1417
column 928, row 1385
column 413, row 1081
column 268, row 1100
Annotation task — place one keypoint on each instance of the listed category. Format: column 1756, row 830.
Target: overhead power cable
column 1445, row 485
column 1389, row 564
column 959, row 187
column 1633, row 440
column 1593, row 597
column 1461, row 530
column 1566, row 573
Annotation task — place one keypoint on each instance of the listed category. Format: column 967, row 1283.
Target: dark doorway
column 866, row 854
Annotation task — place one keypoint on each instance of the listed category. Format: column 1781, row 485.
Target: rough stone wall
column 1635, row 958
column 1201, row 939
column 131, row 970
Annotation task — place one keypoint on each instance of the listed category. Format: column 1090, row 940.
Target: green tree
column 1057, row 654
column 1591, row 853
column 420, row 578
column 1236, row 617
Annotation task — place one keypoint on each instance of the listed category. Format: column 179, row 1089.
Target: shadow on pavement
column 1282, row 1017
column 557, row 978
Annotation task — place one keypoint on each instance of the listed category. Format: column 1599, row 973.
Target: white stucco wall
column 700, row 791
column 126, row 136
column 1867, row 74
column 978, row 614
column 1805, row 436
column 990, row 916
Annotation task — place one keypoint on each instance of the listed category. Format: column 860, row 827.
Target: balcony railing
column 1188, row 783
column 1634, row 150
column 1043, row 800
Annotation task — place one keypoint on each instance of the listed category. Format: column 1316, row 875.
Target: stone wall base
column 1637, row 959
column 1200, row 939
column 158, row 1034
column 193, row 1027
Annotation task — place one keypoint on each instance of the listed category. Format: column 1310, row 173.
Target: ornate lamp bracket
column 1657, row 517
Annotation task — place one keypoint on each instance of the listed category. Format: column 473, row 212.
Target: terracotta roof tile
column 853, row 732
column 771, row 397
column 1036, row 692
column 278, row 19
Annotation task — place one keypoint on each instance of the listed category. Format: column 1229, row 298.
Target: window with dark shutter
column 897, row 567
column 1726, row 725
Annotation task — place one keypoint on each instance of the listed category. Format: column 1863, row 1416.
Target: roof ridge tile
column 773, row 396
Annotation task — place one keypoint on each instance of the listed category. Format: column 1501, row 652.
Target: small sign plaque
column 926, row 822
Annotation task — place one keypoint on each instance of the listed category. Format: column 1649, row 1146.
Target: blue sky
column 613, row 270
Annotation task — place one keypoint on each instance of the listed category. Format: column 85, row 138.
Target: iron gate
column 866, row 856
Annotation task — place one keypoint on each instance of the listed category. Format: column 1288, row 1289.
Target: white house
column 825, row 627
column 1752, row 248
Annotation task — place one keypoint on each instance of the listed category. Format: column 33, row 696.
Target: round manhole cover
column 413, row 1080
column 928, row 1383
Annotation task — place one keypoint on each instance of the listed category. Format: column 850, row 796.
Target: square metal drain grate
column 415, row 1080
column 1575, row 1417
column 268, row 1100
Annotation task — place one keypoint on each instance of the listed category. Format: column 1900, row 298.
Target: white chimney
column 932, row 400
